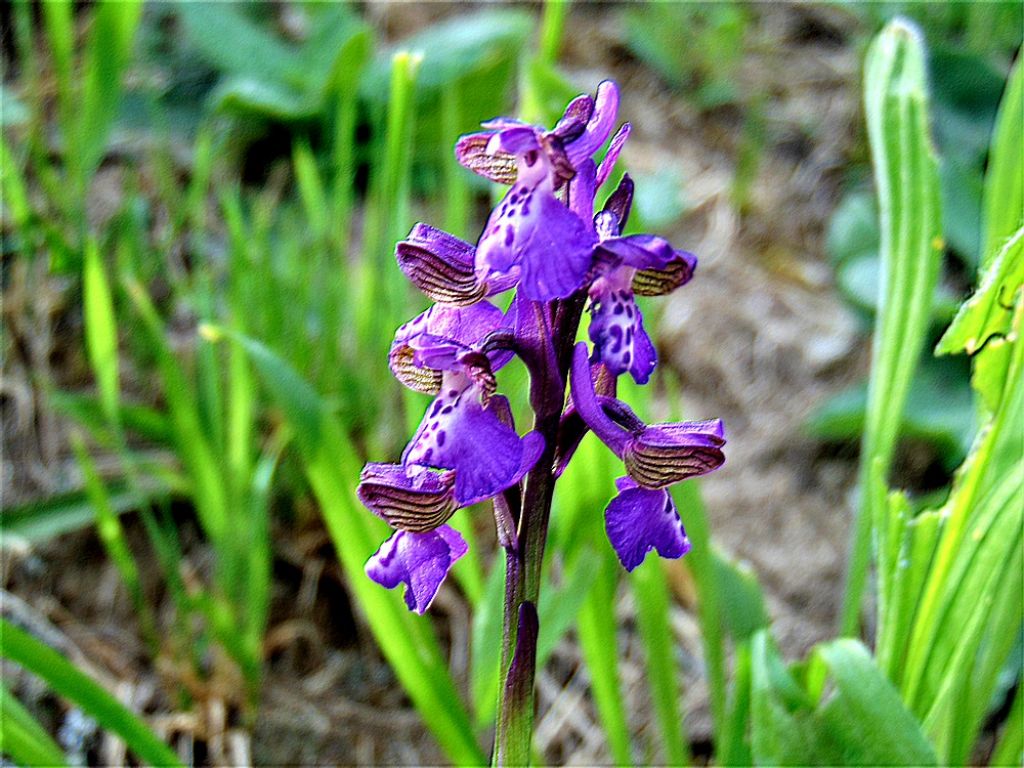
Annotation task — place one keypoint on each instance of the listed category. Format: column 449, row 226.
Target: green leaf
column 906, row 177
column 1004, row 183
column 837, row 710
column 453, row 49
column 743, row 611
column 100, row 329
column 22, row 738
column 65, row 679
column 40, row 521
column 990, row 310
column 940, row 411
column 106, row 55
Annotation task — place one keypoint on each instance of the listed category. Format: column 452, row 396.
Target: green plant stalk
column 552, row 25
column 457, row 195
column 524, row 559
column 906, row 176
column 65, row 679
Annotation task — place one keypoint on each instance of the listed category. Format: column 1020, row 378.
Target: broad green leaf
column 65, row 679
column 838, row 710
column 743, row 611
column 940, row 411
column 42, row 520
column 22, row 738
column 106, row 55
column 906, row 178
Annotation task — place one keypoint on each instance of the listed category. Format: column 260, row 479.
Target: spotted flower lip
column 419, row 560
column 655, row 456
column 639, row 520
column 461, row 434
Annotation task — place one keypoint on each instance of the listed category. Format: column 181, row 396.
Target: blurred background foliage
column 208, row 195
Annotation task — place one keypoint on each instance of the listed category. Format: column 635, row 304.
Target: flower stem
column 524, row 561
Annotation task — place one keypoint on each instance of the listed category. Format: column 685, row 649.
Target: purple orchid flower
column 465, row 450
column 642, row 516
column 626, row 265
column 531, row 223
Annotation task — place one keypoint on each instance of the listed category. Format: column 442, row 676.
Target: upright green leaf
column 906, row 178
column 1004, row 181
column 100, row 329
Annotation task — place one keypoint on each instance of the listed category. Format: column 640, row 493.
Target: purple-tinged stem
column 524, row 562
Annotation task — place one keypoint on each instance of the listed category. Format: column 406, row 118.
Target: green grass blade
column 332, row 467
column 100, row 329
column 65, row 679
column 1003, row 197
column 650, row 591
column 596, row 628
column 107, row 51
column 22, row 738
column 906, row 177
column 108, row 526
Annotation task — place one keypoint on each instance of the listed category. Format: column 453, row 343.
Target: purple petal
column 645, row 251
column 612, row 155
column 584, row 399
column 419, row 560
column 440, row 265
column 514, row 141
column 575, row 118
column 606, row 108
column 617, row 330
column 665, row 454
column 619, row 204
column 471, row 152
column 461, row 434
column 582, row 190
column 436, row 340
column 419, row 502
column 639, row 520
column 533, row 230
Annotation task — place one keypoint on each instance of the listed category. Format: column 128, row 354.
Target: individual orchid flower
column 626, row 265
column 532, row 232
column 465, row 450
column 642, row 517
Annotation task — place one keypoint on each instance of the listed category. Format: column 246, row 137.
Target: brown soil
column 760, row 338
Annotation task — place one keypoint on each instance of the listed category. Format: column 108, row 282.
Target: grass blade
column 22, row 738
column 65, row 679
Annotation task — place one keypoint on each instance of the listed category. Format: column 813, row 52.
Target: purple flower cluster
column 545, row 241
